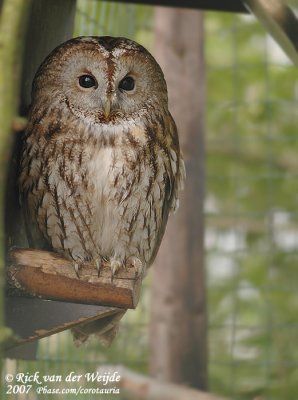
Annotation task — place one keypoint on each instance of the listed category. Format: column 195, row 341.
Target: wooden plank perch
column 46, row 275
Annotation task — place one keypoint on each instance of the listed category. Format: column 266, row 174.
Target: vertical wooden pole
column 178, row 344
column 13, row 23
column 50, row 23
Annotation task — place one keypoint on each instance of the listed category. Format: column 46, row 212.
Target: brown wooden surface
column 218, row 5
column 46, row 275
column 178, row 333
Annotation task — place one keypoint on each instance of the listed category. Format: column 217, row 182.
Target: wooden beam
column 46, row 275
column 280, row 21
column 211, row 5
column 13, row 26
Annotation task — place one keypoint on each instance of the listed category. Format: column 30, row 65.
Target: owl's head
column 101, row 77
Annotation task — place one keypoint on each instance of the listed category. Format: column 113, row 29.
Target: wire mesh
column 251, row 215
column 251, row 211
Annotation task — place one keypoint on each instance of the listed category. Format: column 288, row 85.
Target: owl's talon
column 137, row 264
column 115, row 266
column 98, row 264
column 77, row 269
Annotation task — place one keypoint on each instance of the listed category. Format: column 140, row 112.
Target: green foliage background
column 251, row 213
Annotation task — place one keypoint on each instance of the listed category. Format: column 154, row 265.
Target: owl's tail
column 105, row 329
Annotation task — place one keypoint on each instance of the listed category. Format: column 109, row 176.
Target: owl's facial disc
column 104, row 94
column 101, row 79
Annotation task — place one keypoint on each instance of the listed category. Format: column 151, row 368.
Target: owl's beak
column 107, row 108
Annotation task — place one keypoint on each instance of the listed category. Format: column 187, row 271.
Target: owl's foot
column 77, row 269
column 115, row 265
column 137, row 264
column 99, row 262
column 132, row 261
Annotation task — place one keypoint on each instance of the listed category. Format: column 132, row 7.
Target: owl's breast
column 128, row 194
column 92, row 199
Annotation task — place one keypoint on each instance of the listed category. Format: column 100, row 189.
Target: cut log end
column 47, row 275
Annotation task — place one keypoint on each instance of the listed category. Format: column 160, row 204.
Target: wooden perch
column 139, row 387
column 46, row 275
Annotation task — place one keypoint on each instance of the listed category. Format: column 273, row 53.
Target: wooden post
column 178, row 344
column 13, row 23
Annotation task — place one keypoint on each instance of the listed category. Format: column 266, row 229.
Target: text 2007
column 14, row 389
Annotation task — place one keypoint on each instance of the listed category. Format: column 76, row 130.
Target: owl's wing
column 173, row 179
column 30, row 197
column 36, row 238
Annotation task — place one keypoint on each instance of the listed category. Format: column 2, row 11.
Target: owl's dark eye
column 127, row 84
column 87, row 81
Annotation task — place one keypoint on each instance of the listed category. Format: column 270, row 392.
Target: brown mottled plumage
column 101, row 166
column 96, row 186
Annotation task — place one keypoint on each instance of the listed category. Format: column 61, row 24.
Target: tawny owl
column 101, row 167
